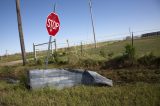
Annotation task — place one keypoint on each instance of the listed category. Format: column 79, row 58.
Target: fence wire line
column 110, row 37
column 85, row 43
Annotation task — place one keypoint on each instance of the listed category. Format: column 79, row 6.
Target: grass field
column 143, row 46
column 141, row 94
column 138, row 84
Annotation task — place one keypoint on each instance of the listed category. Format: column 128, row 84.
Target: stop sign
column 52, row 24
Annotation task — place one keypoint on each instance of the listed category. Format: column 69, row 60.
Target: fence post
column 68, row 44
column 34, row 51
column 81, row 48
column 6, row 53
column 52, row 48
column 132, row 39
column 75, row 48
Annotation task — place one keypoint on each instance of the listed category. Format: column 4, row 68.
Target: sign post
column 52, row 25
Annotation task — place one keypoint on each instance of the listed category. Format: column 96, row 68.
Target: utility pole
column 90, row 5
column 20, row 32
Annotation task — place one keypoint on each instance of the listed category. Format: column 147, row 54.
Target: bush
column 73, row 59
column 89, row 62
column 24, row 80
column 150, row 60
column 55, row 55
column 110, row 54
column 39, row 62
column 117, row 62
column 102, row 53
column 129, row 52
column 6, row 71
column 126, row 60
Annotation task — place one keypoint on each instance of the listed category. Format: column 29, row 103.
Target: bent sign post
column 52, row 25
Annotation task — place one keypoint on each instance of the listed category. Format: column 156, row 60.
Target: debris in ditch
column 62, row 78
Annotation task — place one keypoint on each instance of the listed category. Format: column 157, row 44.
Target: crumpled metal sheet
column 62, row 78
column 93, row 78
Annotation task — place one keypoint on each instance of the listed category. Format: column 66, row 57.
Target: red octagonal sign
column 52, row 24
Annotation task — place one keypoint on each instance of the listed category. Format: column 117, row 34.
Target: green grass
column 141, row 94
column 143, row 46
column 132, row 87
column 136, row 85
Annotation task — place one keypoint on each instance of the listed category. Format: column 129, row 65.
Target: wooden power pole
column 90, row 5
column 20, row 32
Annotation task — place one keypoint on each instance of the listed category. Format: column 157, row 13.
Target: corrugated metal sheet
column 93, row 78
column 60, row 78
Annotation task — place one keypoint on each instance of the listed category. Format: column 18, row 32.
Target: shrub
column 6, row 71
column 55, row 55
column 129, row 52
column 89, row 62
column 110, row 54
column 73, row 59
column 24, row 80
column 51, row 60
column 126, row 60
column 117, row 62
column 39, row 62
column 150, row 60
column 102, row 53
column 147, row 59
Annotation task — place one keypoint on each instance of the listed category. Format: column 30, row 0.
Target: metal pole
column 55, row 44
column 132, row 39
column 49, row 43
column 51, row 47
column 90, row 4
column 20, row 32
column 48, row 53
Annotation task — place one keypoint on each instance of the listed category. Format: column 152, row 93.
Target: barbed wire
column 109, row 37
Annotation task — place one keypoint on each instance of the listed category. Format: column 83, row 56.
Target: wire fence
column 82, row 46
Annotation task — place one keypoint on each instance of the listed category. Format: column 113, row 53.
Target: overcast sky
column 112, row 19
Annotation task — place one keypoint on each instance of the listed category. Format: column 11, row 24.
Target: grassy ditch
column 141, row 94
